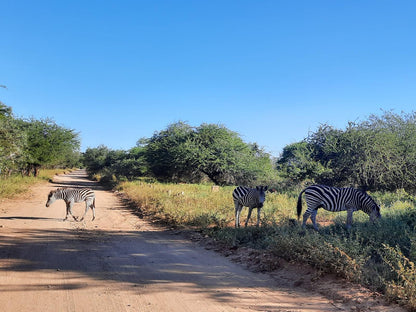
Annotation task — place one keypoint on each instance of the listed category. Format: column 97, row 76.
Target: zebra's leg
column 93, row 212
column 305, row 218
column 249, row 215
column 69, row 210
column 87, row 206
column 349, row 218
column 313, row 218
column 93, row 209
column 238, row 208
column 258, row 216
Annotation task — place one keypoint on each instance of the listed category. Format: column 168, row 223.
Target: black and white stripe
column 336, row 199
column 251, row 198
column 71, row 196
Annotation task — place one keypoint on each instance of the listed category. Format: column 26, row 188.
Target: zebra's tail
column 299, row 206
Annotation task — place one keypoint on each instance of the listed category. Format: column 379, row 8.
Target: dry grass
column 362, row 254
column 17, row 184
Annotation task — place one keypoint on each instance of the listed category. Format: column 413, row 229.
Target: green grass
column 380, row 256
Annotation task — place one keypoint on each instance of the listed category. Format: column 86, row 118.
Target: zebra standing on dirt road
column 71, row 196
column 251, row 198
column 336, row 199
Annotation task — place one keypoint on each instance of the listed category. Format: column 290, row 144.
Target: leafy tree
column 218, row 153
column 12, row 142
column 376, row 154
column 49, row 145
column 5, row 111
column 297, row 163
column 122, row 164
column 132, row 165
column 183, row 153
column 167, row 151
column 95, row 159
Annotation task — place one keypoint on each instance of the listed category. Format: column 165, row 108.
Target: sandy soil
column 120, row 262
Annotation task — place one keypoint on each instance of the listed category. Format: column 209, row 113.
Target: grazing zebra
column 251, row 198
column 71, row 196
column 336, row 199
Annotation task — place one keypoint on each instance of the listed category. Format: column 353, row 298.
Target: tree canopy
column 377, row 154
column 28, row 145
column 182, row 153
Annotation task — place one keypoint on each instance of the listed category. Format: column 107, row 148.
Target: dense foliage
column 182, row 153
column 120, row 164
column 29, row 145
column 376, row 154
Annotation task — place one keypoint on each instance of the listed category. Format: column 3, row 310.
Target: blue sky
column 272, row 71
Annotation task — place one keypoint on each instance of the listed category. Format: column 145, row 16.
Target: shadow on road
column 27, row 218
column 79, row 179
column 137, row 258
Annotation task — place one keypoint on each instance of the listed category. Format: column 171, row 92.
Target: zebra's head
column 375, row 213
column 51, row 198
column 371, row 207
column 261, row 191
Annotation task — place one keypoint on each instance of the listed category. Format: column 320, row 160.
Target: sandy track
column 120, row 262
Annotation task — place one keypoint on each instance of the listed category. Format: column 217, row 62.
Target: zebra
column 336, row 199
column 71, row 196
column 251, row 198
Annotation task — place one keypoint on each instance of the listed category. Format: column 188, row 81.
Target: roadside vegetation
column 32, row 151
column 380, row 256
column 17, row 184
column 29, row 145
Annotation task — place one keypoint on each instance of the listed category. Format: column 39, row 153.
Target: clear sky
column 272, row 71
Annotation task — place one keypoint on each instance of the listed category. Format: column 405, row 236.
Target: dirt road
column 120, row 262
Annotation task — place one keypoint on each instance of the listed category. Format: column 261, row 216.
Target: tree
column 95, row 159
column 184, row 153
column 166, row 153
column 376, row 154
column 49, row 145
column 5, row 111
column 131, row 164
column 297, row 163
column 12, row 142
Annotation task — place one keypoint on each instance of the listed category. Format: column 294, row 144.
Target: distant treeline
column 27, row 145
column 375, row 154
column 182, row 153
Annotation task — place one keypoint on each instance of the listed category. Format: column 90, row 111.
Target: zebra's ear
column 265, row 188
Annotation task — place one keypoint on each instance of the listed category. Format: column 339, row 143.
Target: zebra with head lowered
column 251, row 198
column 71, row 196
column 336, row 199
